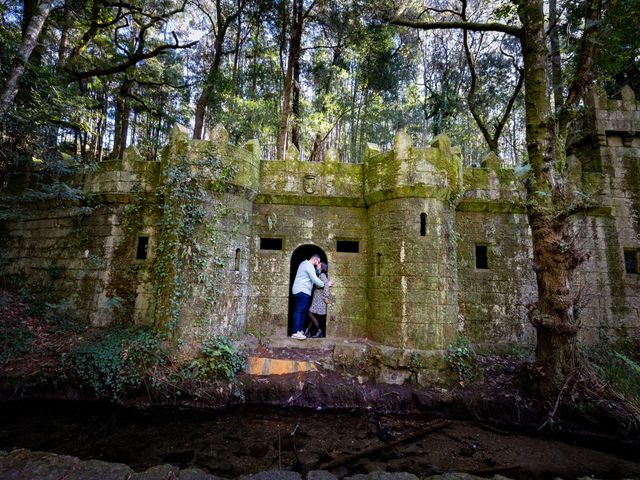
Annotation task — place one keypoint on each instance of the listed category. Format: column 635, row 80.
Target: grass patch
column 619, row 368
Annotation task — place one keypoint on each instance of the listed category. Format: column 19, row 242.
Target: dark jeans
column 302, row 301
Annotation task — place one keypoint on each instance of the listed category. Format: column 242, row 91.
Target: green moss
column 476, row 178
column 613, row 251
column 632, row 187
column 311, row 200
column 490, row 206
column 409, row 191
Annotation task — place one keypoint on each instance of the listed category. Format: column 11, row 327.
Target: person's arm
column 314, row 278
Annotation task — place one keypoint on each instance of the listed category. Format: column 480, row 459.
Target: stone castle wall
column 419, row 247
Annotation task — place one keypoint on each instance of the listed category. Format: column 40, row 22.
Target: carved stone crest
column 309, row 183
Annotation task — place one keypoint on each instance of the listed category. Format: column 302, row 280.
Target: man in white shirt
column 306, row 277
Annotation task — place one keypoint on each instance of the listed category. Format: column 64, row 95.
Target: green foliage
column 461, row 359
column 59, row 314
column 218, row 360
column 114, row 362
column 15, row 339
column 619, row 367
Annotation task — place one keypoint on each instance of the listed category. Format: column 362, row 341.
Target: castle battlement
column 419, row 246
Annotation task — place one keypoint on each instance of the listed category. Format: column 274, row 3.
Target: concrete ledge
column 274, row 366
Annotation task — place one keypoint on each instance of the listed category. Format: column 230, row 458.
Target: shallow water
column 252, row 438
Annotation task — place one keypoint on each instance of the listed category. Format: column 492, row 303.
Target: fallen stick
column 438, row 424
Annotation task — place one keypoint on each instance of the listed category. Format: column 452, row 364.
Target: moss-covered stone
column 416, row 216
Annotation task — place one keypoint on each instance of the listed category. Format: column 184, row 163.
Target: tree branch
column 134, row 59
column 470, row 26
column 584, row 72
column 472, row 93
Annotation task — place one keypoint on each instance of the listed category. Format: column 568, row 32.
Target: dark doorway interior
column 301, row 253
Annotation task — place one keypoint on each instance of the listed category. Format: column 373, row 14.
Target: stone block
column 99, row 470
column 402, row 145
column 158, row 472
column 272, row 475
column 320, row 475
column 26, row 465
column 196, row 474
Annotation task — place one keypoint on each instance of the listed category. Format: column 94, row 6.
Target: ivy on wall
column 187, row 253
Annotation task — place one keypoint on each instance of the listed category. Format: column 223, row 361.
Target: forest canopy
column 103, row 75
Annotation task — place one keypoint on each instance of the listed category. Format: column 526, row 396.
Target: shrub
column 218, row 359
column 15, row 340
column 461, row 359
column 116, row 361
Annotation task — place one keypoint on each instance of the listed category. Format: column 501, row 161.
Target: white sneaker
column 298, row 336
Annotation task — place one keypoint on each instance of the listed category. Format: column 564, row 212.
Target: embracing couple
column 310, row 272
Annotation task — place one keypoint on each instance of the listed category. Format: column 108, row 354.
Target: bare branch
column 470, row 26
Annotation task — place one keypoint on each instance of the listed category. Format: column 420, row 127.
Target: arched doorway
column 303, row 252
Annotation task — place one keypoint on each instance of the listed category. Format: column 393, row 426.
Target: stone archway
column 303, row 252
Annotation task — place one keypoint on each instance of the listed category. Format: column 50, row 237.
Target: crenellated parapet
column 408, row 171
column 115, row 179
column 607, row 117
column 303, row 182
column 244, row 161
column 492, row 188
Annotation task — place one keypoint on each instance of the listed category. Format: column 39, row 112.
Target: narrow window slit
column 631, row 261
column 236, row 266
column 482, row 257
column 142, row 248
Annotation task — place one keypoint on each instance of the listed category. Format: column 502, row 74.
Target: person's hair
column 323, row 267
column 315, row 255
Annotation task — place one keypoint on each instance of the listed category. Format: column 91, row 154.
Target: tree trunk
column 64, row 34
column 295, row 35
column 208, row 90
column 123, row 110
column 236, row 58
column 295, row 104
column 554, row 257
column 29, row 40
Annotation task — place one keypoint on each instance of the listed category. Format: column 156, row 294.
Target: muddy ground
column 492, row 423
column 250, row 439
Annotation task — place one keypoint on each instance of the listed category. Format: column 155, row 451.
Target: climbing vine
column 187, row 255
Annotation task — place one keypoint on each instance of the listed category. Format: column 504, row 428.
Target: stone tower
column 411, row 195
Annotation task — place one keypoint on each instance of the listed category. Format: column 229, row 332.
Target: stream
column 250, row 439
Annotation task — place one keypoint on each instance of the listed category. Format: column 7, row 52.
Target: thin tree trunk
column 236, row 56
column 295, row 104
column 123, row 110
column 295, row 31
column 361, row 140
column 554, row 55
column 29, row 40
column 208, row 90
column 64, row 34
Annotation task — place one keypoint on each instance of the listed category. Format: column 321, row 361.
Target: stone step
column 276, row 366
